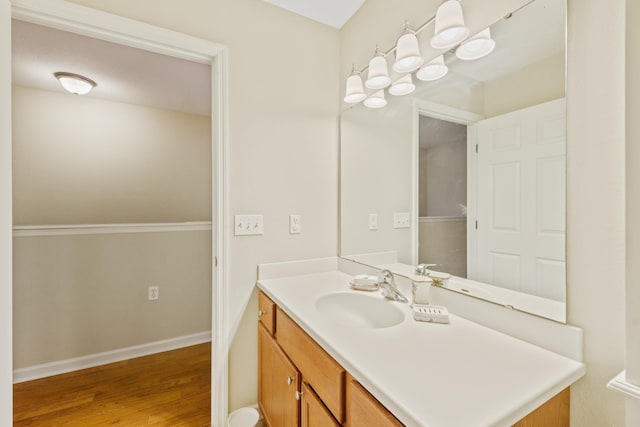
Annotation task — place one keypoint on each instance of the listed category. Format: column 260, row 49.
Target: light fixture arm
column 419, row 30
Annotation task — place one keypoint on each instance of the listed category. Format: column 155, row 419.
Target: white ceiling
column 331, row 12
column 123, row 74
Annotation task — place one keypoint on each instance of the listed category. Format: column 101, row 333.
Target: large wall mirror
column 468, row 172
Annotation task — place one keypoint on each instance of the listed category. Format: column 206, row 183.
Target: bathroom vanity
column 331, row 356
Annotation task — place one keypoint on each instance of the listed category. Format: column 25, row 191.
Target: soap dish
column 363, row 282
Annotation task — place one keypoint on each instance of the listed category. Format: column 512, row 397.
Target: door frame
column 454, row 115
column 90, row 22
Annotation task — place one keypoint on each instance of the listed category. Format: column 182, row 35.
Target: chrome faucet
column 422, row 269
column 389, row 288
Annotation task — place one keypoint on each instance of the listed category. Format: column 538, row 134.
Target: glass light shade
column 408, row 56
column 75, row 83
column 433, row 70
column 355, row 90
column 378, row 77
column 449, row 27
column 376, row 100
column 477, row 46
column 402, row 86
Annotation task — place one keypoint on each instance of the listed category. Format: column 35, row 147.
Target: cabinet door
column 363, row 410
column 313, row 412
column 278, row 381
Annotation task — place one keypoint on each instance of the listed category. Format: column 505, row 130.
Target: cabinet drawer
column 267, row 312
column 313, row 413
column 318, row 369
column 363, row 410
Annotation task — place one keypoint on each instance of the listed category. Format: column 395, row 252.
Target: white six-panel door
column 520, row 237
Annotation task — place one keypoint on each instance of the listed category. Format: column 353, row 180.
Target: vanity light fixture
column 75, row 83
column 402, row 86
column 408, row 57
column 376, row 100
column 449, row 27
column 477, row 46
column 378, row 77
column 433, row 70
column 355, row 90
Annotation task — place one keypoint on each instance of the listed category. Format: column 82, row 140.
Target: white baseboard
column 69, row 365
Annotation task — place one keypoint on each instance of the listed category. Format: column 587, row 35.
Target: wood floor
column 164, row 389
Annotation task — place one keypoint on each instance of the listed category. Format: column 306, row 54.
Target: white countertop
column 459, row 374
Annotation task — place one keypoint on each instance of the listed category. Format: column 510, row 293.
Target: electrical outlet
column 295, row 224
column 401, row 220
column 373, row 221
column 248, row 225
column 154, row 293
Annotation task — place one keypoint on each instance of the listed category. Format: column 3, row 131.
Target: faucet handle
column 421, row 269
column 386, row 276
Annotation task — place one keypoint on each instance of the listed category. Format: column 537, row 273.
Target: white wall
column 596, row 231
column 6, row 374
column 283, row 127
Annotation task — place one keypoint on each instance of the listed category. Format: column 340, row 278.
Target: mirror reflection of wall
column 442, row 195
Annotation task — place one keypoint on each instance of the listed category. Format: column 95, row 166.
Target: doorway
column 76, row 19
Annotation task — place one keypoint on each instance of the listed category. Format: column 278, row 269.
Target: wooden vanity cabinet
column 363, row 410
column 278, row 383
column 300, row 384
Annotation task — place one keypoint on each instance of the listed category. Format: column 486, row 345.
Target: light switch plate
column 248, row 225
column 295, row 224
column 373, row 221
column 401, row 220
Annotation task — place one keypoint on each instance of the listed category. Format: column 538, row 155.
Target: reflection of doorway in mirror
column 442, row 195
column 521, row 201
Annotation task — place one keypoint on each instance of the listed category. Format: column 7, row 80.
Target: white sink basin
column 359, row 310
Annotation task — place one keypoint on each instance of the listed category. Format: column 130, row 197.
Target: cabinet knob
column 260, row 313
column 290, row 380
column 299, row 394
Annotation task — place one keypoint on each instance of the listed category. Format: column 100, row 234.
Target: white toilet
column 245, row 417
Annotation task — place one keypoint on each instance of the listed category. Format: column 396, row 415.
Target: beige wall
column 6, row 329
column 444, row 242
column 596, row 231
column 375, row 151
column 283, row 89
column 632, row 364
column 537, row 83
column 85, row 294
column 81, row 160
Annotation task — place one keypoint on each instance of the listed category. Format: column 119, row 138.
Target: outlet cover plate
column 401, row 220
column 295, row 224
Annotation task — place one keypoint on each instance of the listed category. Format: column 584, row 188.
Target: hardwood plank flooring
column 165, row 389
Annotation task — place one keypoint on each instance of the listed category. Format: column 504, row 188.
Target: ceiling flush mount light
column 402, row 86
column 408, row 57
column 433, row 70
column 477, row 46
column 376, row 100
column 355, row 90
column 75, row 83
column 449, row 27
column 378, row 77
